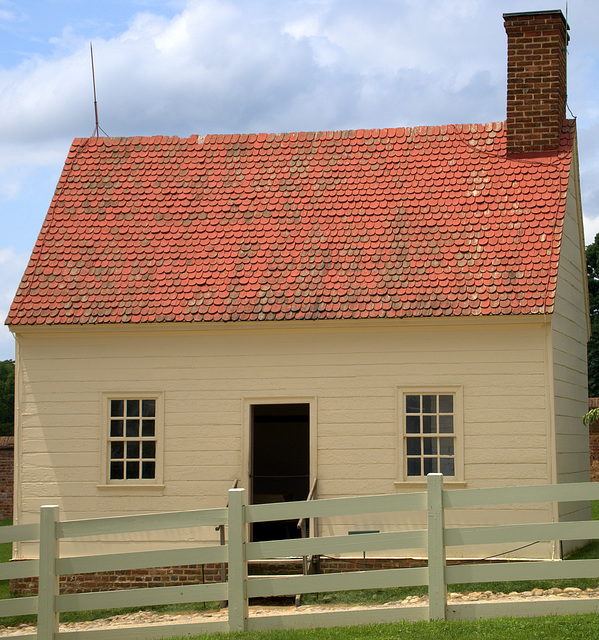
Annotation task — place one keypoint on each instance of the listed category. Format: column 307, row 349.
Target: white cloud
column 266, row 65
column 228, row 65
column 7, row 11
column 591, row 229
column 12, row 266
column 19, row 161
column 221, row 65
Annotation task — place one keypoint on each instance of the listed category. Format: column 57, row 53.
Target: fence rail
column 238, row 551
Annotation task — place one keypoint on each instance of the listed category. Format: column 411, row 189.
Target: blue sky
column 217, row 66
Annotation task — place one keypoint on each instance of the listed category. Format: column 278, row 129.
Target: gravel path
column 145, row 618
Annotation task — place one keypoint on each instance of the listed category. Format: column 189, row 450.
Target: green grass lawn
column 583, row 627
column 5, row 556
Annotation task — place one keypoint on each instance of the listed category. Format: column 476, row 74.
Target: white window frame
column 458, row 435
column 158, row 480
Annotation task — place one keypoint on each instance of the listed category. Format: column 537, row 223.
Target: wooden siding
column 569, row 340
column 355, row 373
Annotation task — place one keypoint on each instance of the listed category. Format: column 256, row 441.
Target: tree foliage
column 592, row 252
column 7, row 397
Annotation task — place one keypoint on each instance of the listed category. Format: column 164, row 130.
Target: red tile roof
column 393, row 223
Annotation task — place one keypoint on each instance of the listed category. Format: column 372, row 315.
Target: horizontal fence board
column 522, row 532
column 18, row 606
column 345, row 581
column 154, row 631
column 20, row 532
column 572, row 491
column 140, row 597
column 544, row 570
column 20, row 569
column 348, row 618
column 526, row 609
column 140, row 560
column 336, row 544
column 335, row 507
column 145, row 522
column 330, row 545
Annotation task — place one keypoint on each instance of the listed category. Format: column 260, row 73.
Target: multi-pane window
column 429, row 433
column 132, row 439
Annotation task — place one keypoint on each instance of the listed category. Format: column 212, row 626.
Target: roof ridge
column 337, row 134
column 329, row 134
column 102, row 140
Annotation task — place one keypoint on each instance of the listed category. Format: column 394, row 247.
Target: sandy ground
column 146, row 618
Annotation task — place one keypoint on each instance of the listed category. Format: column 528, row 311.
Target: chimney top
column 536, row 80
column 548, row 12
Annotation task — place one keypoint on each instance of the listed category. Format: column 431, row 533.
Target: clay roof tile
column 353, row 224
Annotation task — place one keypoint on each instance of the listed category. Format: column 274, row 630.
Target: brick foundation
column 207, row 574
column 199, row 574
column 126, row 579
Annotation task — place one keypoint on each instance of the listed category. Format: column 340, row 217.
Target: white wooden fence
column 49, row 603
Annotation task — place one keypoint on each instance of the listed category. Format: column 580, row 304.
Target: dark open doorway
column 279, row 462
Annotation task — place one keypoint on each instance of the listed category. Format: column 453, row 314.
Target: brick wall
column 177, row 576
column 6, row 476
column 210, row 573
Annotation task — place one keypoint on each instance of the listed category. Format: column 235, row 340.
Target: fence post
column 437, row 589
column 47, row 616
column 237, row 583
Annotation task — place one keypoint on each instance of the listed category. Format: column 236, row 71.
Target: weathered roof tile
column 389, row 223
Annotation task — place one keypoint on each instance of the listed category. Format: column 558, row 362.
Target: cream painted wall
column 570, row 333
column 353, row 371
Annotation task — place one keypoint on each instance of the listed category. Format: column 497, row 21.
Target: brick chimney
column 536, row 80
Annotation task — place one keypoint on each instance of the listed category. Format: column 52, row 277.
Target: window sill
column 421, row 484
column 134, row 487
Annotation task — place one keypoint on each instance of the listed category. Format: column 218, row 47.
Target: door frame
column 246, row 441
